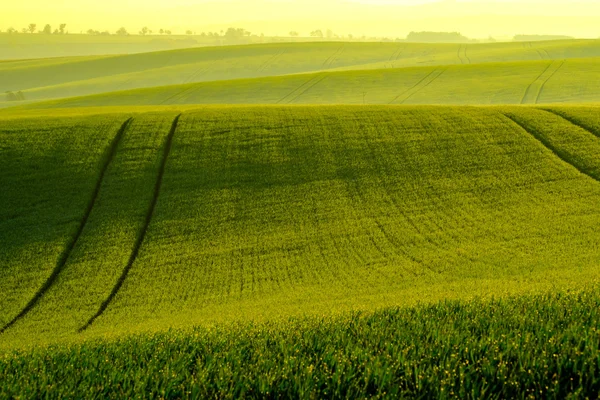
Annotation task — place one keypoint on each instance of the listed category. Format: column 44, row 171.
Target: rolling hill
column 526, row 82
column 243, row 213
column 301, row 221
column 77, row 76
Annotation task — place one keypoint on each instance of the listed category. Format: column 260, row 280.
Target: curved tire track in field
column 557, row 152
column 458, row 54
column 413, row 86
column 534, row 81
column 466, row 56
column 537, row 98
column 143, row 230
column 299, row 88
column 64, row 257
column 441, row 72
column 314, row 83
column 329, row 62
column 270, row 61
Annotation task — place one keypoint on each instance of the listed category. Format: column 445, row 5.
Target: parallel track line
column 143, row 230
column 64, row 257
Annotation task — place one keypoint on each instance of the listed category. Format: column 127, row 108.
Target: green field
column 237, row 223
column 528, row 82
column 299, row 208
column 379, row 70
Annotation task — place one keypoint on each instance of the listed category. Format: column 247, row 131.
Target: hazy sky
column 395, row 18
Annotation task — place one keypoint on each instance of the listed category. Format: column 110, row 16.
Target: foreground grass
column 544, row 346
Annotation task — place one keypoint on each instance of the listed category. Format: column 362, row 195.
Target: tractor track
column 559, row 154
column 64, row 257
column 143, row 230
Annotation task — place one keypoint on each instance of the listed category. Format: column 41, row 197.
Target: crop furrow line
column 466, row 56
column 329, row 62
column 458, row 54
column 319, row 80
column 143, row 230
column 64, row 257
column 557, row 152
column 547, row 54
column 546, row 81
column 298, row 88
column 441, row 72
column 396, row 54
column 414, row 86
column 174, row 96
column 540, row 54
column 533, row 82
column 270, row 60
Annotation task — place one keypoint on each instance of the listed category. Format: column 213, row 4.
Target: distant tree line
column 241, row 35
column 32, row 28
column 437, row 37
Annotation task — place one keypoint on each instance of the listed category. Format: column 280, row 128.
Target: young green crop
column 78, row 76
column 115, row 222
column 525, row 347
column 48, row 170
column 266, row 212
column 528, row 82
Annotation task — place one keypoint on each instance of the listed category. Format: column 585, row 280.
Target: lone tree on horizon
column 31, row 28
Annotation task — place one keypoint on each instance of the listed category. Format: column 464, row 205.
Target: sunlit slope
column 566, row 81
column 81, row 76
column 249, row 212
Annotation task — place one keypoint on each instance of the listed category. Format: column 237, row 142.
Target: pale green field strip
column 42, row 208
column 247, row 213
column 45, row 79
column 503, row 83
column 114, row 230
column 19, row 46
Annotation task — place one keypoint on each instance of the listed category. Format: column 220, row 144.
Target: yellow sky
column 394, row 18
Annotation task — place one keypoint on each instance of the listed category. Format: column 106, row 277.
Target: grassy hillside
column 250, row 213
column 527, row 82
column 49, row 78
column 310, row 251
column 534, row 346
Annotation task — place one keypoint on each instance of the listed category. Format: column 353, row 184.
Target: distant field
column 22, row 46
column 250, row 213
column 526, row 82
column 76, row 76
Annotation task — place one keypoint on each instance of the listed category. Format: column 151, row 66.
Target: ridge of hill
column 67, row 77
column 524, row 82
